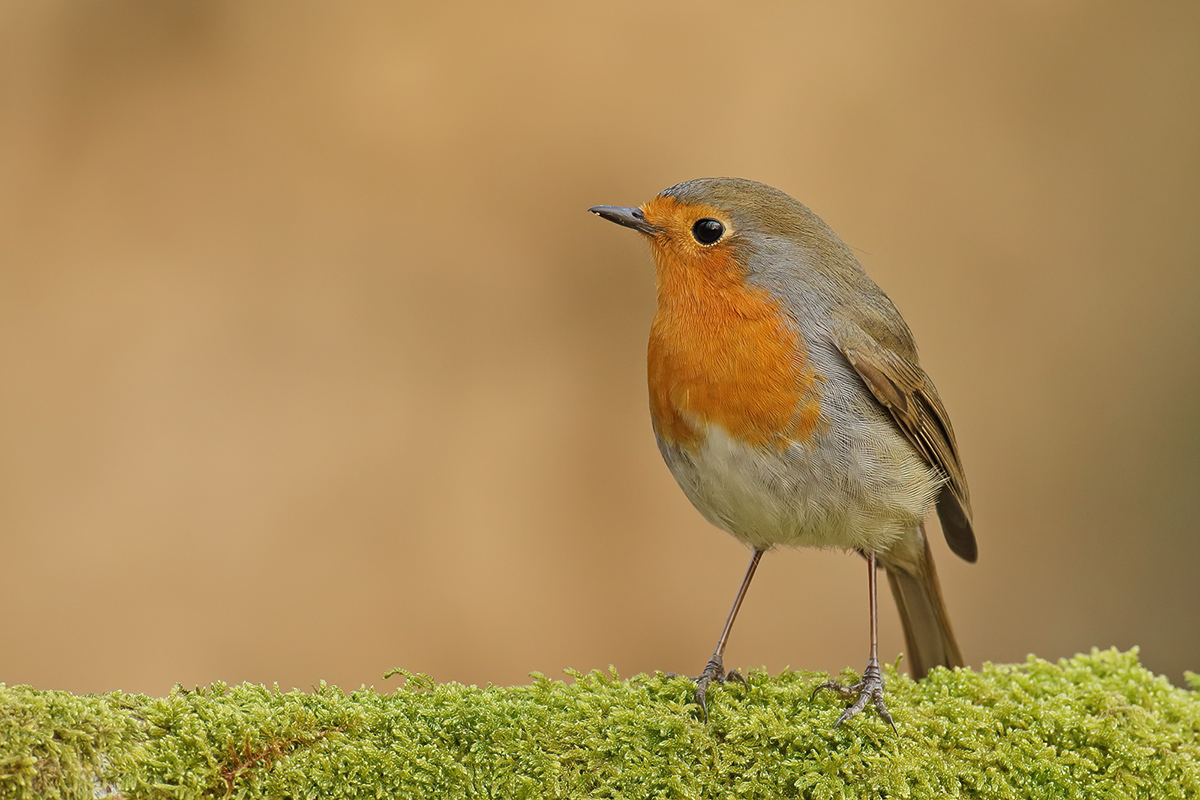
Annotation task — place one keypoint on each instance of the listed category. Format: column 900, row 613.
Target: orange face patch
column 721, row 352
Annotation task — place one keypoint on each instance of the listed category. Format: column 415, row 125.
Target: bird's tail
column 918, row 595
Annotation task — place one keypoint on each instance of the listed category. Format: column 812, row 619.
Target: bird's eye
column 708, row 230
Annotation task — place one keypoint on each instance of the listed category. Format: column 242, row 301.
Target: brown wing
column 906, row 392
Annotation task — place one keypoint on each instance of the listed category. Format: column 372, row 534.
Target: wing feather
column 904, row 389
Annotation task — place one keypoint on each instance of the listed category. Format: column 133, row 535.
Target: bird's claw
column 714, row 672
column 869, row 689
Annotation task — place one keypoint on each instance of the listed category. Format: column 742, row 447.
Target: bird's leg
column 870, row 688
column 715, row 670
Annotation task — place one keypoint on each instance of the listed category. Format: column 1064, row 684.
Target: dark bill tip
column 629, row 217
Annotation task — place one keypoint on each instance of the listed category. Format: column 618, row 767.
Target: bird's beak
column 629, row 217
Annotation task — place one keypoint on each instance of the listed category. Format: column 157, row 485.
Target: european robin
column 788, row 403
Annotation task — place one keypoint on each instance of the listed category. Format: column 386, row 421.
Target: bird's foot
column 714, row 672
column 869, row 689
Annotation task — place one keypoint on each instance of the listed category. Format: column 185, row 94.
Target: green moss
column 1097, row 725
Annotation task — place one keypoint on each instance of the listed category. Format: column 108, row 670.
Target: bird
column 788, row 402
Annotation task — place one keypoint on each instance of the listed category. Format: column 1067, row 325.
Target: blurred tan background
column 312, row 363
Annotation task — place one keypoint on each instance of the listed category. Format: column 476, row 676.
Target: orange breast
column 722, row 352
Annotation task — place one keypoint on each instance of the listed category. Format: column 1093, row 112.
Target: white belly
column 860, row 493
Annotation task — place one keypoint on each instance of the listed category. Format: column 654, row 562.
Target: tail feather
column 927, row 634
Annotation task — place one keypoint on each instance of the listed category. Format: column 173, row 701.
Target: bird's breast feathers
column 745, row 424
column 730, row 357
